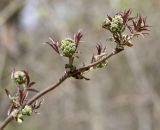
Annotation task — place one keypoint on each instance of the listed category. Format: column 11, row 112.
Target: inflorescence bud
column 68, row 47
column 19, row 77
column 106, row 24
column 116, row 24
column 27, row 110
column 19, row 118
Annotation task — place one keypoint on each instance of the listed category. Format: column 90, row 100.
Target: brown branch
column 66, row 75
column 139, row 27
column 85, row 68
column 6, row 121
column 48, row 89
column 61, row 80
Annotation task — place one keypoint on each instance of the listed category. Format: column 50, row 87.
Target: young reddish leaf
column 77, row 38
column 21, row 95
column 27, row 77
column 54, row 45
column 139, row 22
column 134, row 24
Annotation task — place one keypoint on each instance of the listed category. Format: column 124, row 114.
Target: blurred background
column 123, row 96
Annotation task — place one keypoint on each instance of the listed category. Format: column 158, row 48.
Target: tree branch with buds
column 123, row 28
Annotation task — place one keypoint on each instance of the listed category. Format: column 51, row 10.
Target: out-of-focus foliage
column 109, row 100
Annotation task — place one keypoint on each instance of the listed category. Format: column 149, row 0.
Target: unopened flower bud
column 117, row 19
column 115, row 27
column 68, row 47
column 106, row 24
column 19, row 77
column 19, row 118
column 27, row 110
column 116, row 24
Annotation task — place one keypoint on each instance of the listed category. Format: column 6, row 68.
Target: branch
column 115, row 25
column 85, row 68
column 52, row 87
column 6, row 121
column 48, row 89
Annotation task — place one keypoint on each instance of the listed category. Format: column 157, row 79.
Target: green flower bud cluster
column 102, row 64
column 116, row 24
column 68, row 47
column 19, row 118
column 26, row 111
column 19, row 77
